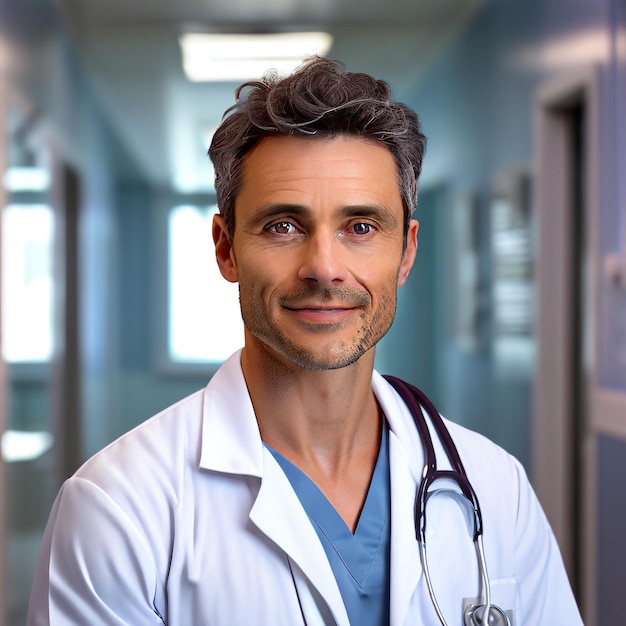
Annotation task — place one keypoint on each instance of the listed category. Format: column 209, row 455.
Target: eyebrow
column 379, row 213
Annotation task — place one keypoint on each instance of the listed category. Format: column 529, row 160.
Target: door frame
column 554, row 457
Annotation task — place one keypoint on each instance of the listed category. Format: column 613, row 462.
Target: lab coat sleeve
column 94, row 566
column 546, row 597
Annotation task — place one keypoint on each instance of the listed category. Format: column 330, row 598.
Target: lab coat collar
column 231, row 441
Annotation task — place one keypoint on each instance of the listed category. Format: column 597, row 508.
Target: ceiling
column 131, row 53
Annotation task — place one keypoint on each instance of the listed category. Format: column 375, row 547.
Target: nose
column 323, row 259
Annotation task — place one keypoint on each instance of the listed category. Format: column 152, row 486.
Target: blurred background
column 514, row 320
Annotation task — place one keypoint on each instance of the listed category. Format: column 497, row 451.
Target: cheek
column 267, row 269
column 377, row 278
column 255, row 284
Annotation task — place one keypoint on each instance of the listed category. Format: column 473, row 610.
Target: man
column 283, row 493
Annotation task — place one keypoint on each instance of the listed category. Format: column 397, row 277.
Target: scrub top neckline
column 357, row 551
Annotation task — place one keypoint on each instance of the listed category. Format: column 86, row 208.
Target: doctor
column 283, row 493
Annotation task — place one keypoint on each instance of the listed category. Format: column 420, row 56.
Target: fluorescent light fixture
column 226, row 57
column 25, row 446
column 26, row 179
column 27, row 283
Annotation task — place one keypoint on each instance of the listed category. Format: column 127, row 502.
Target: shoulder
column 486, row 463
column 497, row 476
column 478, row 449
column 115, row 518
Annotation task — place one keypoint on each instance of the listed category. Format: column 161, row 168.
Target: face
column 317, row 249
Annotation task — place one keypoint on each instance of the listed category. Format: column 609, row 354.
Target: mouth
column 321, row 308
column 325, row 307
column 321, row 313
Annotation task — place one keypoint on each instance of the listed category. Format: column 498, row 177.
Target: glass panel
column 204, row 320
column 27, row 232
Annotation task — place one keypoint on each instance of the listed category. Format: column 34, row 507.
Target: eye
column 282, row 228
column 362, row 228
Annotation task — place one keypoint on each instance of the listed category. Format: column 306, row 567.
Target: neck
column 326, row 422
column 302, row 408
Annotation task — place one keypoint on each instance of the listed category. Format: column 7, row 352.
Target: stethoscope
column 485, row 613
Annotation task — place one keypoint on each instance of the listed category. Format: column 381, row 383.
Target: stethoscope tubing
column 415, row 399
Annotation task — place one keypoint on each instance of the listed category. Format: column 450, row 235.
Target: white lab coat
column 188, row 520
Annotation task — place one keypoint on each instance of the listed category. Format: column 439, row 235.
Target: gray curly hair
column 319, row 99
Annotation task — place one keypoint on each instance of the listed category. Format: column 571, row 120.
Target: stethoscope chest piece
column 474, row 615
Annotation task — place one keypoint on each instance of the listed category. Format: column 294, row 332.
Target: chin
column 315, row 361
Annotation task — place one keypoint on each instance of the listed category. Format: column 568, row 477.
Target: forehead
column 340, row 169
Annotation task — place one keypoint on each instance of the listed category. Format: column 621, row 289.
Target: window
column 27, row 283
column 204, row 319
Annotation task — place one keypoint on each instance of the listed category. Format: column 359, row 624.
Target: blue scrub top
column 360, row 561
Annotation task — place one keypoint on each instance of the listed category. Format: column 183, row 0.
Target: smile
column 321, row 313
column 321, row 309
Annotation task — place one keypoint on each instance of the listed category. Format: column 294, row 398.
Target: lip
column 321, row 313
column 319, row 307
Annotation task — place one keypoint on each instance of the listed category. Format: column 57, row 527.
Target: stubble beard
column 368, row 331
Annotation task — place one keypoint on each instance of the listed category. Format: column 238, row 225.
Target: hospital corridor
column 513, row 319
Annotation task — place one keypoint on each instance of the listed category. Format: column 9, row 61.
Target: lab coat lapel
column 278, row 513
column 406, row 569
column 406, row 460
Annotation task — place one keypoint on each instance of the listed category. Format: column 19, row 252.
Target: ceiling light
column 26, row 179
column 223, row 57
column 25, row 446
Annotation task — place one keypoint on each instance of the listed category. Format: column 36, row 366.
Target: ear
column 224, row 252
column 409, row 253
